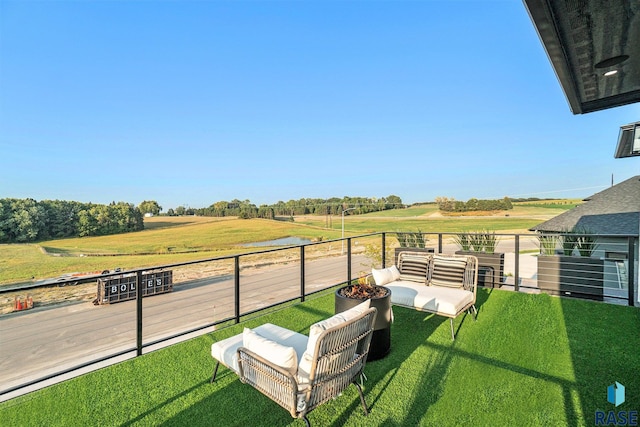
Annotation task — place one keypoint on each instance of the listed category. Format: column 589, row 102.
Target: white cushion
column 225, row 351
column 318, row 328
column 355, row 311
column 276, row 353
column 436, row 299
column 385, row 275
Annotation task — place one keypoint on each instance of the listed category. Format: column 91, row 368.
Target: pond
column 285, row 241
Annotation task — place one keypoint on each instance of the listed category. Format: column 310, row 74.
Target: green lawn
column 529, row 360
column 167, row 240
column 413, row 211
column 357, row 224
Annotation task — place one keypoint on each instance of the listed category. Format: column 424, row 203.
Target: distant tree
column 87, row 223
column 451, row 205
column 266, row 212
column 445, row 204
column 150, row 206
column 507, row 203
column 27, row 220
column 394, row 201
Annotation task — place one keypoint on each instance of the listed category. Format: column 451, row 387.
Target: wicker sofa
column 301, row 372
column 441, row 284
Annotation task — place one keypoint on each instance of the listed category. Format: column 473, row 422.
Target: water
column 285, row 241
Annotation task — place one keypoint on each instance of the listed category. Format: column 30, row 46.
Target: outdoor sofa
column 436, row 283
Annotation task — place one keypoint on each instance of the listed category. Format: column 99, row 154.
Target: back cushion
column 413, row 267
column 385, row 275
column 448, row 271
column 318, row 328
column 274, row 352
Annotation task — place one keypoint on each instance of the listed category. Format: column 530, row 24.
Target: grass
column 203, row 234
column 527, row 360
column 165, row 240
column 168, row 240
column 562, row 204
column 358, row 224
column 413, row 211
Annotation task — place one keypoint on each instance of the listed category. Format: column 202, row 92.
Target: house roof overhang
column 594, row 48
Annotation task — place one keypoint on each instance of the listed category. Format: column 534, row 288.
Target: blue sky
column 189, row 103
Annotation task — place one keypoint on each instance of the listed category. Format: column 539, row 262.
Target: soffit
column 584, row 39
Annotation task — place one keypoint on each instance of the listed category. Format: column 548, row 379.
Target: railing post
column 439, row 243
column 516, row 274
column 384, row 249
column 236, row 279
column 631, row 271
column 348, row 260
column 139, row 313
column 302, row 290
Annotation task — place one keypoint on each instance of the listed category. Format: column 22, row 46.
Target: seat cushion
column 439, row 300
column 225, row 351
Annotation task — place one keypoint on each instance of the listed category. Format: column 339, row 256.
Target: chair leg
column 364, row 404
column 453, row 335
column 215, row 372
column 306, row 421
column 476, row 311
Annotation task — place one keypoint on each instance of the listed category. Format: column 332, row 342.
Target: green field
column 167, row 240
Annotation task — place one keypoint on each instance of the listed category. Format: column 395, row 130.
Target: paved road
column 41, row 342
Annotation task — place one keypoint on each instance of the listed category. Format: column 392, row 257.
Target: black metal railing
column 44, row 344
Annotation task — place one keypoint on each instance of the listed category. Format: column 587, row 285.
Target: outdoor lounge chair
column 330, row 359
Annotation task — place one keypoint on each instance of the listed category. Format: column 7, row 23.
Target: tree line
column 447, row 204
column 28, row 220
column 332, row 206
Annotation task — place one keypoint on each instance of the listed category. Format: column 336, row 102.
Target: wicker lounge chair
column 330, row 359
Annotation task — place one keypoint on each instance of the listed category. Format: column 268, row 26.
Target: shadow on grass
column 164, row 403
column 432, row 375
column 229, row 402
column 604, row 348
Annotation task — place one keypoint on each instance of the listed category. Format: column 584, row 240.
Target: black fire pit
column 381, row 338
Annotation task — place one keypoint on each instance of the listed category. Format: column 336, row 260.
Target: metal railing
column 70, row 334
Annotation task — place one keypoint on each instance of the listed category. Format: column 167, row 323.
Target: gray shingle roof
column 615, row 210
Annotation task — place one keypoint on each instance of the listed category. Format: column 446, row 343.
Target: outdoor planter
column 574, row 276
column 490, row 267
column 381, row 338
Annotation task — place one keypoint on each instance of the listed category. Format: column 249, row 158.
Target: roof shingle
column 615, row 210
